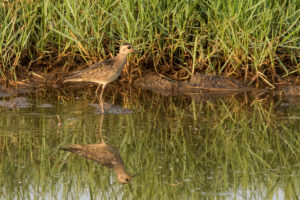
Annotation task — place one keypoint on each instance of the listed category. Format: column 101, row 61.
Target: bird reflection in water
column 103, row 154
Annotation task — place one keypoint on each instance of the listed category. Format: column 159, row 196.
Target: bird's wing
column 99, row 153
column 97, row 67
column 117, row 159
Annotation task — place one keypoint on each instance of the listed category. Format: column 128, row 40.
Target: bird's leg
column 96, row 92
column 100, row 129
column 100, row 99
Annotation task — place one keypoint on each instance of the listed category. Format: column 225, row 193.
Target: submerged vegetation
column 257, row 41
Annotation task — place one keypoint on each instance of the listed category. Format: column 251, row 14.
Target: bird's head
column 127, row 48
column 124, row 178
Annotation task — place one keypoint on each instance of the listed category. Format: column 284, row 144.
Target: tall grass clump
column 255, row 40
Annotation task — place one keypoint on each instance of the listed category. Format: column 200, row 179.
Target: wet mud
column 208, row 87
column 197, row 83
column 6, row 92
column 199, row 87
column 291, row 91
column 18, row 102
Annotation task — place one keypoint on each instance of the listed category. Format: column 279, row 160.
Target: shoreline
column 198, row 84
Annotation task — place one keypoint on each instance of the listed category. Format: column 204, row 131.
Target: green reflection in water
column 243, row 147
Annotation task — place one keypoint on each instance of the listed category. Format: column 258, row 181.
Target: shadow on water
column 235, row 147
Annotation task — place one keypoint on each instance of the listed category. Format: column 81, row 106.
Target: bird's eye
column 127, row 180
column 129, row 47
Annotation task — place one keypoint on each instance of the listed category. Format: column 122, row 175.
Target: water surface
column 235, row 147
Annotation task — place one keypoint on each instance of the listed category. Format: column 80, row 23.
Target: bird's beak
column 134, row 175
column 136, row 51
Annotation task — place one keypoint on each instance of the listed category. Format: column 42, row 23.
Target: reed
column 251, row 40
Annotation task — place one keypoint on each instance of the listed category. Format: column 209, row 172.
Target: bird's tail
column 65, row 79
column 72, row 148
column 72, row 77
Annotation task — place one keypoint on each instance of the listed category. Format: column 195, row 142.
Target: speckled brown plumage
column 105, row 71
column 101, row 72
column 103, row 154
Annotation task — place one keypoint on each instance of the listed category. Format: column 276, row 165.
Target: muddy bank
column 18, row 102
column 206, row 87
column 6, row 92
column 197, row 83
column 291, row 91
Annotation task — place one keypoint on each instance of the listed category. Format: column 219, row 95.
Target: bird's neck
column 121, row 58
column 119, row 169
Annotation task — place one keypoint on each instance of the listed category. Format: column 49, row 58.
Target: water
column 234, row 147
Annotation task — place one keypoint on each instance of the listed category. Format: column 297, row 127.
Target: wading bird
column 103, row 72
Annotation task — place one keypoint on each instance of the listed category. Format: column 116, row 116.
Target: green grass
column 251, row 40
column 233, row 146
